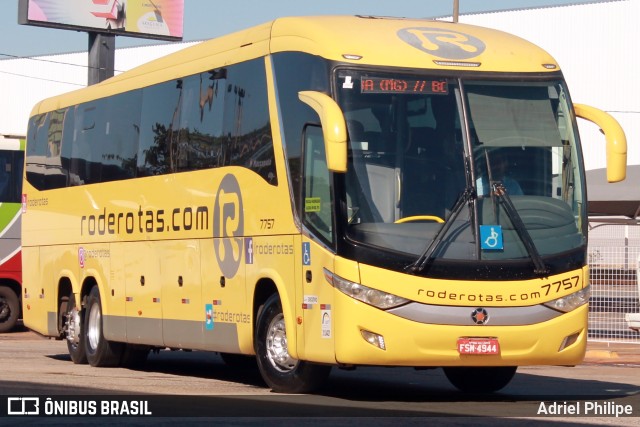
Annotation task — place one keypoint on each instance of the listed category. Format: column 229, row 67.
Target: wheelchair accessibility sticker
column 491, row 237
column 306, row 253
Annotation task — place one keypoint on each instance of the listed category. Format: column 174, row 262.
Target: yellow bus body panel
column 156, row 281
column 332, row 37
column 474, row 293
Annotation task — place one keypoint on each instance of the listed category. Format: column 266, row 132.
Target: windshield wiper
column 467, row 196
column 500, row 192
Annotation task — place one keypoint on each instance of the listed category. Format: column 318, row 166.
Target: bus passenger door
column 317, row 344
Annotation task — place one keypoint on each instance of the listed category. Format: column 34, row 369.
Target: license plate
column 478, row 346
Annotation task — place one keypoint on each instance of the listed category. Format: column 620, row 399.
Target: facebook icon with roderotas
column 248, row 250
column 491, row 237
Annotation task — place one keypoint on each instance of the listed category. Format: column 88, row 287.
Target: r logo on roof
column 442, row 43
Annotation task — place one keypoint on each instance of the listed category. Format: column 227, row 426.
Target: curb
column 601, row 354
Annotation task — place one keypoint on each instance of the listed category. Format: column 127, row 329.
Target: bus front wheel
column 100, row 352
column 280, row 371
column 480, row 380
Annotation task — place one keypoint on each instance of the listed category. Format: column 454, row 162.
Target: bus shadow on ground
column 401, row 385
column 200, row 364
column 383, row 393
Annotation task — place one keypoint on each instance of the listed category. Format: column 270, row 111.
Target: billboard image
column 158, row 19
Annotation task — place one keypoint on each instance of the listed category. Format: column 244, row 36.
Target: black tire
column 239, row 361
column 134, row 356
column 480, row 380
column 279, row 370
column 9, row 309
column 72, row 319
column 100, row 352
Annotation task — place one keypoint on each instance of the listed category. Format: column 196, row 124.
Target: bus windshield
column 461, row 169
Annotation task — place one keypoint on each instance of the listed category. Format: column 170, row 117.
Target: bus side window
column 160, row 108
column 120, row 148
column 5, row 175
column 318, row 212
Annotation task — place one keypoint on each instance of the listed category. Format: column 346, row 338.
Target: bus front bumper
column 361, row 331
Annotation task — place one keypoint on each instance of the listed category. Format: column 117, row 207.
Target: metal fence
column 614, row 251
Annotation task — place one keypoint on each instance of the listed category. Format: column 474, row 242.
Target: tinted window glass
column 45, row 168
column 11, row 176
column 120, row 145
column 216, row 118
column 295, row 72
column 211, row 119
column 201, row 115
column 36, row 150
column 159, row 127
column 89, row 137
column 318, row 212
column 246, row 121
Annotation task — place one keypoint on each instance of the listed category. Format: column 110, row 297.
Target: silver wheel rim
column 277, row 352
column 74, row 327
column 93, row 326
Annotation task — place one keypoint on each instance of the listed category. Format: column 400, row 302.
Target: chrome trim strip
column 461, row 316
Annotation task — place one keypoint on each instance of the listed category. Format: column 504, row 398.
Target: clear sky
column 205, row 19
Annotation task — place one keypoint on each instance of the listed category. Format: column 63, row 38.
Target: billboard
column 155, row 19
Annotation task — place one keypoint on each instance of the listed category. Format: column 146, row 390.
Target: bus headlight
column 570, row 302
column 363, row 293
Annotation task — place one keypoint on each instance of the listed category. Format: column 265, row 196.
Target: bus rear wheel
column 480, row 380
column 9, row 309
column 100, row 352
column 279, row 370
column 73, row 328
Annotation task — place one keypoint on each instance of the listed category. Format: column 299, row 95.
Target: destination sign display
column 400, row 85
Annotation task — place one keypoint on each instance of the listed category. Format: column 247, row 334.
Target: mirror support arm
column 616, row 140
column 334, row 128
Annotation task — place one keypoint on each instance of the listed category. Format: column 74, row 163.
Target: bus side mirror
column 616, row 140
column 334, row 128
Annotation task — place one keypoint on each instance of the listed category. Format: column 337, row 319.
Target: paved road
column 199, row 382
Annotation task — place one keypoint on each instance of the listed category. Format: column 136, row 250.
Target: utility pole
column 102, row 51
column 456, row 10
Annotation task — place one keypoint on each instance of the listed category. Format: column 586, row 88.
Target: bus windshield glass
column 504, row 152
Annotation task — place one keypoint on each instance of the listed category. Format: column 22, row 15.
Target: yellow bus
column 317, row 192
